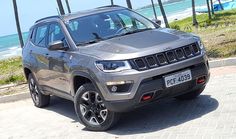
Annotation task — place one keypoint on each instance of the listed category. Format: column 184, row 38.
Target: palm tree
column 209, row 10
column 112, row 2
column 212, row 7
column 68, row 6
column 60, row 6
column 129, row 4
column 195, row 23
column 18, row 23
column 221, row 6
column 163, row 13
column 154, row 10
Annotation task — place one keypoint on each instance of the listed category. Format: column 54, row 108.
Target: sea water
column 175, row 9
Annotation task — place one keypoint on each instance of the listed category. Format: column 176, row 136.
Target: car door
column 58, row 62
column 39, row 53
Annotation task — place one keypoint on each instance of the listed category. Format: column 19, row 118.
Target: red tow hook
column 201, row 80
column 147, row 97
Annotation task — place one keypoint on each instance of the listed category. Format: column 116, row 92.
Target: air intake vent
column 140, row 63
column 164, row 58
column 161, row 59
column 151, row 61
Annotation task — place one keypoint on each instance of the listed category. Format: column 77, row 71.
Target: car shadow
column 164, row 114
column 151, row 118
column 63, row 107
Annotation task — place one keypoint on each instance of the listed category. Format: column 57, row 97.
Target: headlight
column 113, row 66
column 201, row 45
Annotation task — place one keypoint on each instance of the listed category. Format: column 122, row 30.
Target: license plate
column 178, row 78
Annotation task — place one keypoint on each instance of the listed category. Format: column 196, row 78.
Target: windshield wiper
column 97, row 39
column 136, row 31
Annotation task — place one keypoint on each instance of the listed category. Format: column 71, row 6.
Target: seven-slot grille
column 164, row 58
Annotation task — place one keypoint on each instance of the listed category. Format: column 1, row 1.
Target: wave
column 10, row 52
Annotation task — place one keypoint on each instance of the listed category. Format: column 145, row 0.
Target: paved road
column 212, row 115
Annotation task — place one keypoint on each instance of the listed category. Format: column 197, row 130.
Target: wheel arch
column 80, row 78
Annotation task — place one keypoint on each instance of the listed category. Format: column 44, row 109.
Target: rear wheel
column 40, row 100
column 91, row 110
column 191, row 95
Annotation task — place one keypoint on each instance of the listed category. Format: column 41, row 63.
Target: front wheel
column 40, row 100
column 191, row 95
column 91, row 110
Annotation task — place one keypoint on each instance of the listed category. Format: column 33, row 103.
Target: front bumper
column 156, row 84
column 139, row 76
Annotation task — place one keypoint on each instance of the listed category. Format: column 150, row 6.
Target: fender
column 87, row 75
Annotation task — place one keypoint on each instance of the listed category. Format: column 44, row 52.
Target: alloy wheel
column 92, row 108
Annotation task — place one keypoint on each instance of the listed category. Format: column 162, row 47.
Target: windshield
column 106, row 25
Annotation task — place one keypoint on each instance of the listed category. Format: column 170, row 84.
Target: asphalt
column 212, row 115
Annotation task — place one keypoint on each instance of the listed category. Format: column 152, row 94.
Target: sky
column 32, row 10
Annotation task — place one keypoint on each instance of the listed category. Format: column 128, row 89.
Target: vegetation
column 218, row 34
column 11, row 71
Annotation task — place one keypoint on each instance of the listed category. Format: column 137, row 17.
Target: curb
column 213, row 64
column 15, row 97
column 223, row 62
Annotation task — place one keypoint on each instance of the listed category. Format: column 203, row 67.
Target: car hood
column 138, row 44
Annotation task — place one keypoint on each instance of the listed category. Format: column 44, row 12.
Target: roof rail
column 48, row 18
column 109, row 6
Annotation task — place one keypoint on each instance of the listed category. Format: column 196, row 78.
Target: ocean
column 9, row 45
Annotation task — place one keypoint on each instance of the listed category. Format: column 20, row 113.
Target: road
column 212, row 115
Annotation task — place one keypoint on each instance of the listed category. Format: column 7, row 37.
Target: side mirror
column 157, row 21
column 57, row 45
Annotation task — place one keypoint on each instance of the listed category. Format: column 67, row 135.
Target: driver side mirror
column 157, row 21
column 57, row 45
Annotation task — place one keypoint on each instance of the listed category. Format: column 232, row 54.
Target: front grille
column 164, row 58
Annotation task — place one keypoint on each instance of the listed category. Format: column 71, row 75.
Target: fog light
column 114, row 88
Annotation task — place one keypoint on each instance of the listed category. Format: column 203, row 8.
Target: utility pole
column 154, row 10
column 68, row 6
column 129, row 4
column 163, row 13
column 18, row 23
column 60, row 6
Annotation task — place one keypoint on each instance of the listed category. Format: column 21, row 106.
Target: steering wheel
column 121, row 29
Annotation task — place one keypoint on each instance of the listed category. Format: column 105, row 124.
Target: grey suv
column 111, row 60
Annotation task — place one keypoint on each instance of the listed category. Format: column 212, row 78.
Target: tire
column 191, row 95
column 91, row 110
column 40, row 100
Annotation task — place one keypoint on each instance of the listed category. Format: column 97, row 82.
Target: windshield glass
column 106, row 25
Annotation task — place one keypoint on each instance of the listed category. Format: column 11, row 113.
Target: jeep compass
column 111, row 60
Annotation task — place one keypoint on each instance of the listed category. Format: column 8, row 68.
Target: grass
column 218, row 34
column 11, row 71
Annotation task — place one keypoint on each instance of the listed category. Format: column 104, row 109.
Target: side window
column 55, row 33
column 40, row 38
